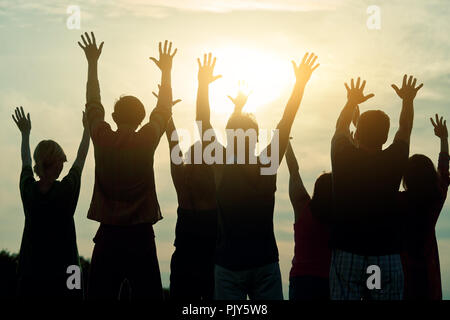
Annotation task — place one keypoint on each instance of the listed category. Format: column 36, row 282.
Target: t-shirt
column 49, row 240
column 124, row 189
column 365, row 186
column 196, row 228
column 312, row 253
column 245, row 200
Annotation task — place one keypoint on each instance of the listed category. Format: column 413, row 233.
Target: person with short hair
column 124, row 199
column 247, row 262
column 49, row 244
column 367, row 226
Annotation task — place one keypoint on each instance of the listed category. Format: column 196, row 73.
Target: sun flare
column 266, row 76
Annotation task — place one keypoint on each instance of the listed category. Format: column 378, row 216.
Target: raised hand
column 90, row 47
column 440, row 127
column 408, row 90
column 241, row 98
column 205, row 71
column 355, row 94
column 305, row 69
column 165, row 56
column 22, row 122
column 174, row 102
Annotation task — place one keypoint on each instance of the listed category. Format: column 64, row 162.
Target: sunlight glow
column 266, row 76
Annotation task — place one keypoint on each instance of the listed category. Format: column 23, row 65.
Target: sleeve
column 341, row 145
column 156, row 127
column 71, row 183
column 444, row 182
column 443, row 171
column 26, row 182
column 99, row 129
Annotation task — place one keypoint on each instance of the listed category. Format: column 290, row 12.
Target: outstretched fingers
column 397, row 89
column 88, row 38
column 346, row 86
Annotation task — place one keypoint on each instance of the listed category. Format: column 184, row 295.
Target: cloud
column 162, row 8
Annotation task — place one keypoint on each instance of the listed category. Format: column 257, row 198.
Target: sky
column 43, row 69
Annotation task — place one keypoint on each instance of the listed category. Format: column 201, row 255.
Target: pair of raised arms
column 356, row 96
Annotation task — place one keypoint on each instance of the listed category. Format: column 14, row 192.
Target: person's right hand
column 22, row 122
column 165, row 57
column 205, row 71
column 241, row 98
column 355, row 94
column 440, row 127
column 174, row 102
column 90, row 47
column 408, row 90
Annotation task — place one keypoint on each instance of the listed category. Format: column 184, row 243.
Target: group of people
column 225, row 247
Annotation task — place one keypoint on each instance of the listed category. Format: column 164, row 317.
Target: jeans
column 262, row 283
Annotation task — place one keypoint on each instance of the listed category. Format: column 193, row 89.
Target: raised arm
column 92, row 53
column 24, row 124
column 303, row 73
column 407, row 93
column 83, row 149
column 440, row 130
column 297, row 192
column 176, row 170
column 205, row 78
column 355, row 96
column 163, row 110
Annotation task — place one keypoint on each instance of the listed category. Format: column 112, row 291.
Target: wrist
column 25, row 133
column 408, row 100
column 203, row 83
column 300, row 84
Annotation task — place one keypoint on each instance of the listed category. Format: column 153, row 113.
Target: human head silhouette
column 421, row 178
column 49, row 160
column 372, row 129
column 322, row 196
column 244, row 121
column 128, row 111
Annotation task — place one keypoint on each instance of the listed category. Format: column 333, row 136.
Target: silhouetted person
column 192, row 264
column 124, row 199
column 308, row 279
column 366, row 179
column 422, row 202
column 247, row 253
column 49, row 243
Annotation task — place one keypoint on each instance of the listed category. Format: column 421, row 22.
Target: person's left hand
column 440, row 127
column 174, row 102
column 305, row 69
column 90, row 47
column 22, row 122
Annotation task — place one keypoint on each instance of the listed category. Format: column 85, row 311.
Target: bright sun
column 266, row 76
